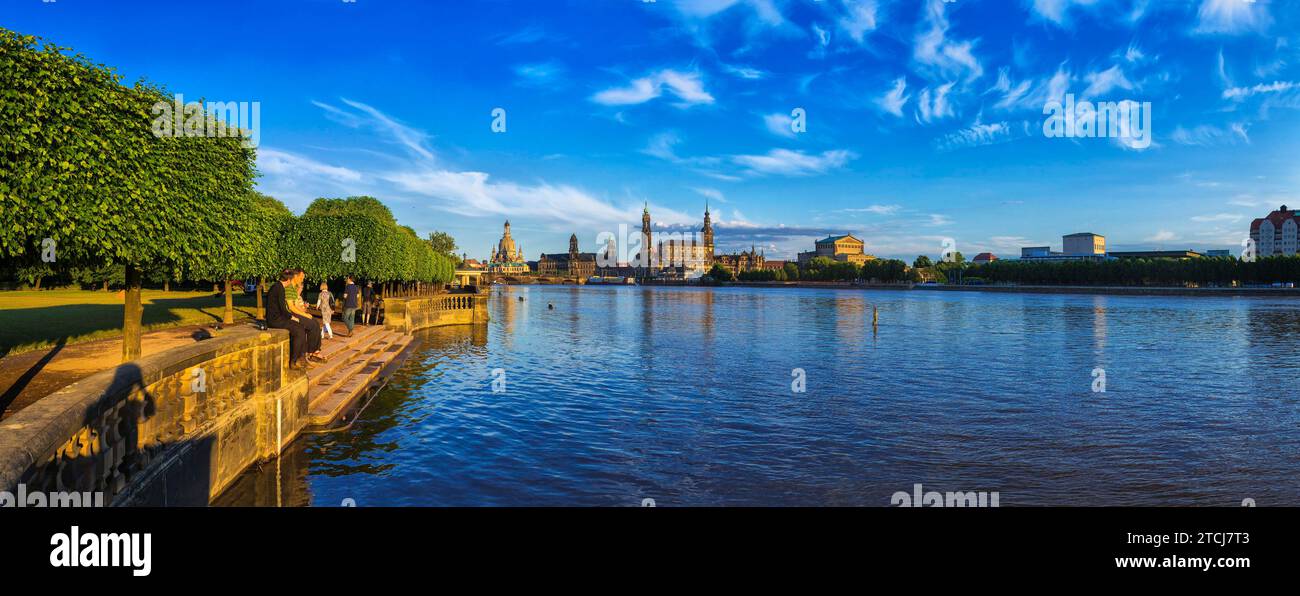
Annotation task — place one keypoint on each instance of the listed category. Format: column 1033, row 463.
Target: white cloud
column 942, row 57
column 1162, row 236
column 540, row 74
column 686, row 86
column 1056, row 11
column 1231, row 17
column 860, row 18
column 711, row 193
column 933, row 105
column 1238, row 93
column 1208, row 136
column 1217, row 217
column 1100, row 83
column 779, row 124
column 745, row 72
column 980, row 134
column 272, row 161
column 413, row 140
column 785, row 162
column 894, row 99
column 879, row 209
column 940, row 220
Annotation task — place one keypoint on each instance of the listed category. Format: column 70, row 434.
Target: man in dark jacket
column 351, row 299
column 278, row 316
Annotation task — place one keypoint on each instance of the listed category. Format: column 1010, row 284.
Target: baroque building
column 580, row 265
column 742, row 261
column 845, row 247
column 507, row 257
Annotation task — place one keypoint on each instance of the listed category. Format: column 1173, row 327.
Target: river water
column 688, row 396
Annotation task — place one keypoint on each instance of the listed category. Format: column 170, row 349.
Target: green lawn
column 35, row 319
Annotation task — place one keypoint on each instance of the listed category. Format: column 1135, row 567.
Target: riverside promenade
column 177, row 426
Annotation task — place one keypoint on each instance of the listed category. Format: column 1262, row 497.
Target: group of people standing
column 305, row 333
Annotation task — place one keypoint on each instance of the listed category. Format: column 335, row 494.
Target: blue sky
column 924, row 119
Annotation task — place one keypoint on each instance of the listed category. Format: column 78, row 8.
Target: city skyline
column 923, row 120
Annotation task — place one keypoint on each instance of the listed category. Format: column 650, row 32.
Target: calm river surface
column 683, row 395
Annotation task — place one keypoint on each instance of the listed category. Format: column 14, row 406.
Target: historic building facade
column 690, row 257
column 845, row 247
column 507, row 257
column 1276, row 234
column 742, row 261
column 580, row 265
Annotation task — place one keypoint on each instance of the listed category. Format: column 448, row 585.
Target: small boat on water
column 620, row 280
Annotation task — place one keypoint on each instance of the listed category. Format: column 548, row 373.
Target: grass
column 37, row 319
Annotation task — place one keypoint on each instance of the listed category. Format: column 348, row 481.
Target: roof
column 1078, row 234
column 1277, row 217
column 564, row 257
column 985, row 256
column 1156, row 254
column 838, row 238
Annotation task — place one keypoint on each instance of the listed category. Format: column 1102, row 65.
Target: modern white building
column 1277, row 233
column 1083, row 245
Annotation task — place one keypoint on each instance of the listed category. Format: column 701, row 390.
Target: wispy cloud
column 892, row 101
column 542, row 74
column 1232, row 17
column 859, row 20
column 687, row 87
column 784, row 162
column 779, row 124
column 939, row 56
column 933, row 104
column 980, row 134
column 1208, row 136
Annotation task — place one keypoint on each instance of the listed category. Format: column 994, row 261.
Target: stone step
column 361, row 375
column 341, row 343
column 340, row 353
column 349, row 364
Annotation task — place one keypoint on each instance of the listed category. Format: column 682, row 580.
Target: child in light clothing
column 325, row 302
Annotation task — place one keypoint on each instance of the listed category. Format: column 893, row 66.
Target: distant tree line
column 1221, row 271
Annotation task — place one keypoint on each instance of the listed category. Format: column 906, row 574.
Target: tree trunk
column 167, row 284
column 38, row 283
column 131, row 315
column 229, row 319
column 261, row 310
column 216, row 288
column 106, row 285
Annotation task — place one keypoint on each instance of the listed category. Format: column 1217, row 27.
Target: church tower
column 707, row 233
column 645, row 236
column 573, row 247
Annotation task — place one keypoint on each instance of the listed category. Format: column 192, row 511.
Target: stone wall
column 411, row 314
column 173, row 428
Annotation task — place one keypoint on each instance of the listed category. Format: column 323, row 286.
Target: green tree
column 84, row 169
column 922, row 262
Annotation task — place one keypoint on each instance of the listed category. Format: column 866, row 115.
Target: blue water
column 684, row 396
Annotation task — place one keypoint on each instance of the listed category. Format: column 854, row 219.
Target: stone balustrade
column 172, row 428
column 411, row 314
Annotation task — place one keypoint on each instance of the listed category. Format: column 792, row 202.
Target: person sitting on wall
column 280, row 316
column 299, row 309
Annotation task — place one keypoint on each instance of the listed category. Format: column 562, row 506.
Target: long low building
column 1156, row 254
